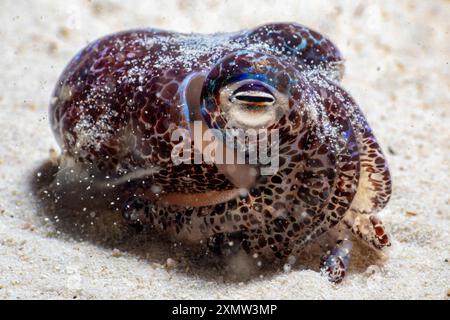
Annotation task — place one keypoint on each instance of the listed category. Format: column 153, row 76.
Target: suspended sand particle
column 170, row 263
column 291, row 260
column 372, row 269
column 116, row 253
column 156, row 188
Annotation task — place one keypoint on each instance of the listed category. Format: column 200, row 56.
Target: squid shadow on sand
column 76, row 211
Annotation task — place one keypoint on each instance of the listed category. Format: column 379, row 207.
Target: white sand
column 397, row 68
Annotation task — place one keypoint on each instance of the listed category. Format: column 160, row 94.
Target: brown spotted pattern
column 119, row 100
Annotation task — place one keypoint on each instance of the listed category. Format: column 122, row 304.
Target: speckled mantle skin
column 118, row 101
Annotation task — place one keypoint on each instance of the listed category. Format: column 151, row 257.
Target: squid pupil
column 255, row 99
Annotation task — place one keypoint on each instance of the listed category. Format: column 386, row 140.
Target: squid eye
column 253, row 95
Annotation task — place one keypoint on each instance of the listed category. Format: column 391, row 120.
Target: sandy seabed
column 397, row 68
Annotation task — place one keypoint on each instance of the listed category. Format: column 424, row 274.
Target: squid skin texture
column 118, row 101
